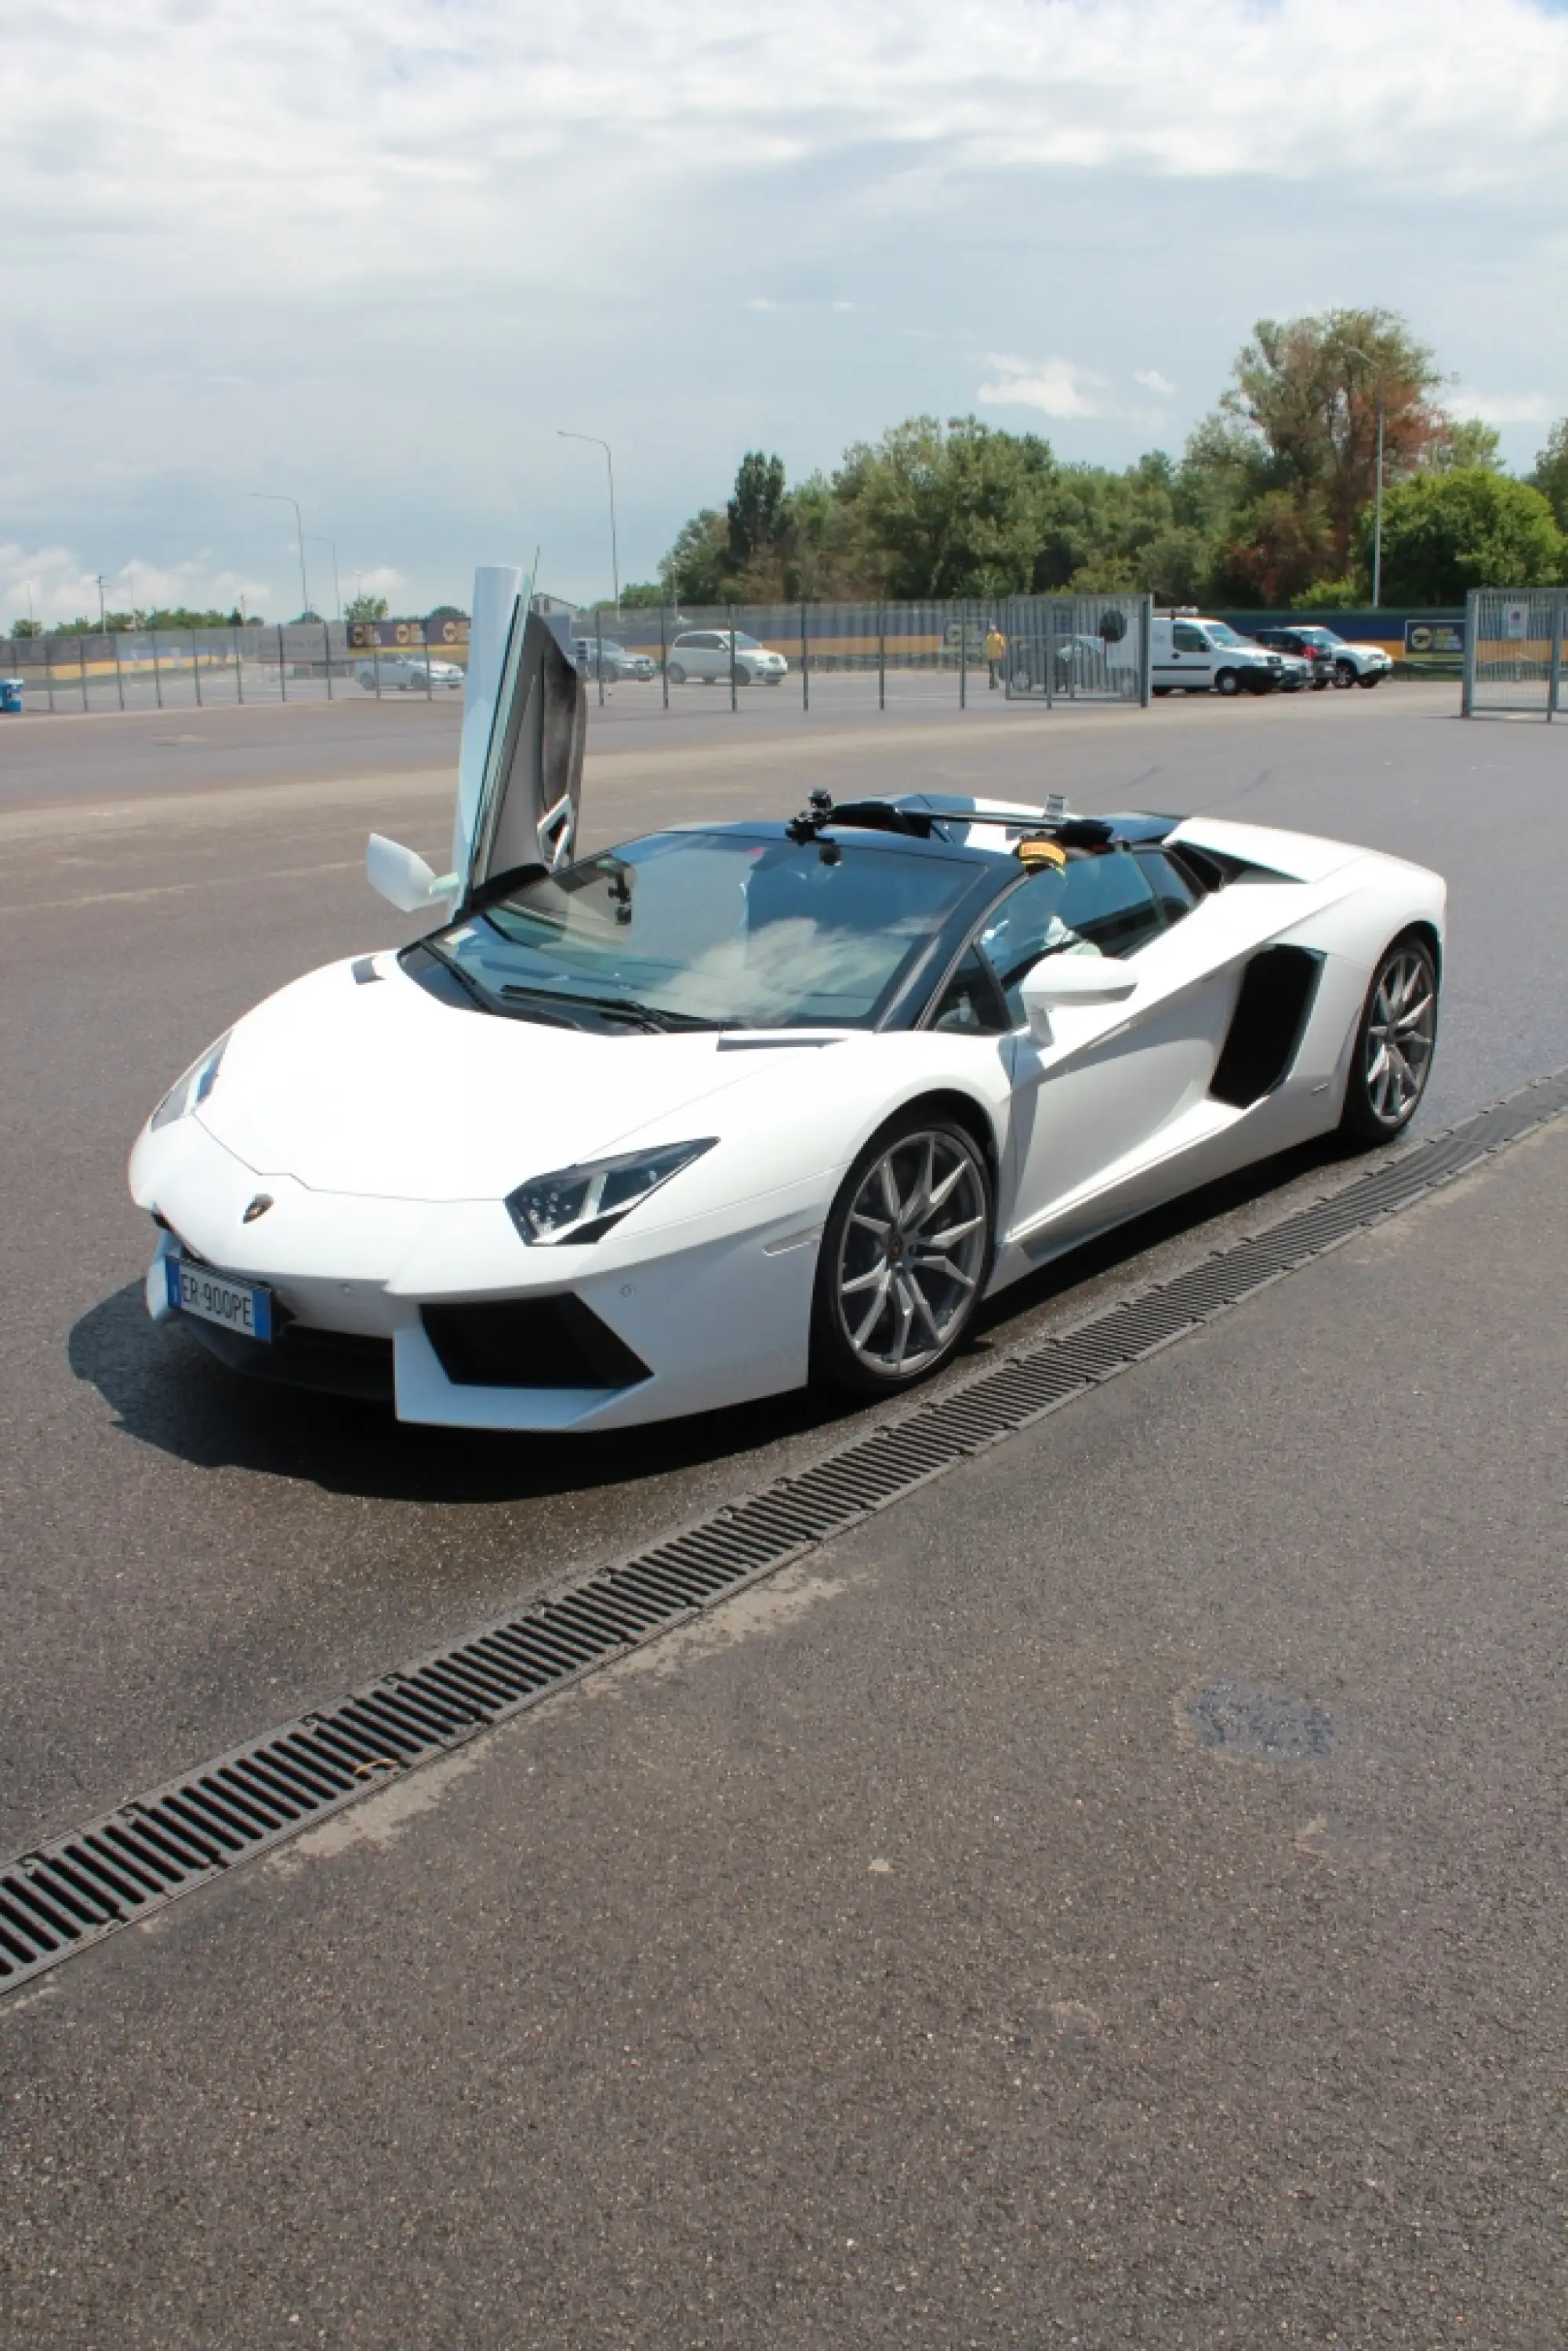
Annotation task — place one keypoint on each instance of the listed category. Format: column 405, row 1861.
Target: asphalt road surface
column 188, row 1560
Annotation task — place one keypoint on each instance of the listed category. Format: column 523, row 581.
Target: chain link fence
column 1513, row 651
column 1046, row 648
column 932, row 655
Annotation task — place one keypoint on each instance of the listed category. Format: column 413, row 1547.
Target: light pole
column 280, row 498
column 610, row 468
column 1353, row 351
column 103, row 615
column 316, row 541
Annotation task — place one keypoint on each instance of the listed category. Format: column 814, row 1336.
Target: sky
column 377, row 258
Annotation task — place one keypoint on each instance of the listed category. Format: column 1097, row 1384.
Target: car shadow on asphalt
column 167, row 1392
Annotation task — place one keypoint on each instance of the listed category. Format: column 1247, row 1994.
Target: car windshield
column 1221, row 633
column 716, row 929
column 741, row 639
column 1321, row 637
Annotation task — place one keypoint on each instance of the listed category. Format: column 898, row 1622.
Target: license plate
column 243, row 1307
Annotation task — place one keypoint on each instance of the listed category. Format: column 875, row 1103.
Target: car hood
column 379, row 1089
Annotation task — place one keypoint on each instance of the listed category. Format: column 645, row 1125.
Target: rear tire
column 1227, row 683
column 1345, row 672
column 904, row 1257
column 1394, row 1041
column 676, row 673
column 1373, row 677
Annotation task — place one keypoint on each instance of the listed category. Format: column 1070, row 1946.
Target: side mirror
column 1073, row 979
column 403, row 879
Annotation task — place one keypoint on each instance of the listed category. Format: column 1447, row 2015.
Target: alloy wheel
column 1401, row 1030
column 913, row 1252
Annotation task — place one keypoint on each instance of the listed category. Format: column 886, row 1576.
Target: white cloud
column 362, row 250
column 52, row 583
column 1056, row 387
column 1506, row 407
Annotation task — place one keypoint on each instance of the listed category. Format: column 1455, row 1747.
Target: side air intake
column 1276, row 995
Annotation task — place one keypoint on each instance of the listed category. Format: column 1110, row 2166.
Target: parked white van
column 1196, row 655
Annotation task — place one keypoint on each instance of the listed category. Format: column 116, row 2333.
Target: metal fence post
column 157, row 671
column 1145, row 652
column 881, row 657
column 963, row 661
column 664, row 659
column 1472, row 629
column 599, row 653
column 81, row 668
column 239, row 664
column 49, row 671
column 282, row 672
column 376, row 660
column 1554, row 675
column 805, row 661
column 729, row 625
column 119, row 672
column 429, row 681
column 327, row 646
column 196, row 667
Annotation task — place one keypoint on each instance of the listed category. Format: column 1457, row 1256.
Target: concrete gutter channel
column 1111, row 1906
column 60, row 1899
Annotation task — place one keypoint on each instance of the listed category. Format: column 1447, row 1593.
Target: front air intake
column 530, row 1342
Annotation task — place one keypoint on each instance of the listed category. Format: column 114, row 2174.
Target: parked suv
column 596, row 655
column 1301, row 644
column 1353, row 665
column 703, row 655
column 1194, row 655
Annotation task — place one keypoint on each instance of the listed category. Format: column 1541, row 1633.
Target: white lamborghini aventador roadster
column 735, row 1106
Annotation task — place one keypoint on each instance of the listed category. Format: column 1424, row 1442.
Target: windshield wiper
column 482, row 996
column 651, row 1016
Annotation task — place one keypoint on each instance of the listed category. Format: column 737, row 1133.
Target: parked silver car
column 703, row 655
column 606, row 657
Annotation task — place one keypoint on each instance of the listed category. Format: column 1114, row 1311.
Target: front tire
column 676, row 673
column 904, row 1256
column 1344, row 674
column 1227, row 683
column 1372, row 677
column 1394, row 1041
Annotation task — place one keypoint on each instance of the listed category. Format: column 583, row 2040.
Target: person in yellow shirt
column 995, row 653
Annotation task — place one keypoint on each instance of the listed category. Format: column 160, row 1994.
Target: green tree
column 365, row 608
column 1467, row 441
column 757, row 510
column 1550, row 475
column 953, row 510
column 1298, row 430
column 694, row 568
column 1445, row 533
column 441, row 612
column 643, row 596
column 27, row 628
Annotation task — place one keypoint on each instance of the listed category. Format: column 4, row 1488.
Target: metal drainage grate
column 67, row 1895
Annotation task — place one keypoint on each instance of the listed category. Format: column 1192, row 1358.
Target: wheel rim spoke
column 911, row 1258
column 1399, row 1036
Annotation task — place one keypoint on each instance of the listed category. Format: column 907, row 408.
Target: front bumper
column 440, row 1307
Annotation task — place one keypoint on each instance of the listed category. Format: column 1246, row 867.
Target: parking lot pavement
column 188, row 1558
column 1112, row 1900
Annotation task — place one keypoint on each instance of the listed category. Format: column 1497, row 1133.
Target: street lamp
column 1353, row 351
column 316, row 541
column 610, row 467
column 280, row 499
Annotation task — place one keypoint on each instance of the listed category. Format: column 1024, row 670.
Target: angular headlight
column 194, row 1087
column 580, row 1203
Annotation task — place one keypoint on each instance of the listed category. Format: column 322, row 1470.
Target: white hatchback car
column 401, row 675
column 704, row 656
